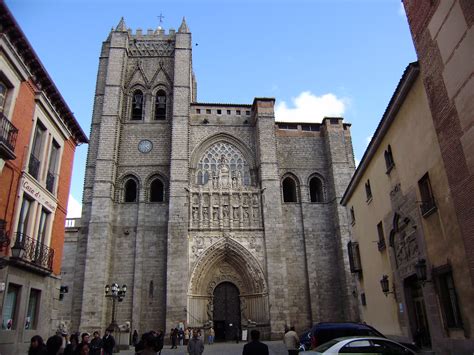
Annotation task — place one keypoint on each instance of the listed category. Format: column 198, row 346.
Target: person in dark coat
column 255, row 347
column 54, row 344
column 37, row 346
column 96, row 344
column 72, row 346
column 174, row 338
column 195, row 345
column 108, row 342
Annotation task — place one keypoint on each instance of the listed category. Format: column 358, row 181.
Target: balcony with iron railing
column 4, row 238
column 8, row 135
column 32, row 254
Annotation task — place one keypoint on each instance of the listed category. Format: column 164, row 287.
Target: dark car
column 305, row 340
column 324, row 332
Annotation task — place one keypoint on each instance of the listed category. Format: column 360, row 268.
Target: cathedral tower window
column 157, row 191
column 316, row 189
column 131, row 189
column 223, row 164
column 138, row 105
column 289, row 190
column 160, row 105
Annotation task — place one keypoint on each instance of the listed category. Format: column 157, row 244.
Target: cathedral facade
column 210, row 213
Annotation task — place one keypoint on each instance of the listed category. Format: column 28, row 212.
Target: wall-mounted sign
column 38, row 193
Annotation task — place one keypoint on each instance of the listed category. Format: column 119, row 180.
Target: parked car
column 361, row 345
column 305, row 340
column 323, row 332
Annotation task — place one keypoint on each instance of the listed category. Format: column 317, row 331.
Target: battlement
column 154, row 35
column 217, row 113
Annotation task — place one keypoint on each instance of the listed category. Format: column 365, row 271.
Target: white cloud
column 74, row 208
column 308, row 107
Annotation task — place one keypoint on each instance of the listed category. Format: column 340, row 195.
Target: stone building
column 406, row 246
column 210, row 213
column 38, row 137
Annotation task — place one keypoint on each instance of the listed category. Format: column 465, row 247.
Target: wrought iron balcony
column 50, row 181
column 30, row 253
column 4, row 239
column 33, row 167
column 8, row 134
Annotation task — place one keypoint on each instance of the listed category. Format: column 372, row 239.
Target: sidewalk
column 275, row 347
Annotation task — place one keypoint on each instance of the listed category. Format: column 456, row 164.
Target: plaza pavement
column 275, row 348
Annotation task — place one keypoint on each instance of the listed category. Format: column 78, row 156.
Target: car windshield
column 325, row 346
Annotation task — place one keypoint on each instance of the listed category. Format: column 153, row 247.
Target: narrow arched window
column 160, row 105
column 130, row 191
column 316, row 190
column 138, row 105
column 289, row 190
column 157, row 191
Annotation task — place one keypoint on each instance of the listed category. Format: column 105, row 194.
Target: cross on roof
column 161, row 17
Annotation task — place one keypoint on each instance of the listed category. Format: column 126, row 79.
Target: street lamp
column 385, row 285
column 116, row 294
column 420, row 269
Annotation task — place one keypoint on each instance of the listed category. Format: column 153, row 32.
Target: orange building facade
column 38, row 138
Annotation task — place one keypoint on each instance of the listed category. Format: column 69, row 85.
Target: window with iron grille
column 31, row 320
column 53, row 166
column 368, row 190
column 389, row 162
column 37, row 149
column 10, row 308
column 354, row 257
column 353, row 218
column 427, row 204
column 448, row 297
column 381, row 241
column 3, row 95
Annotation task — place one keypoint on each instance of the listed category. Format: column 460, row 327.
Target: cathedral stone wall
column 222, row 219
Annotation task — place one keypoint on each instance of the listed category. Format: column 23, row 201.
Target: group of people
column 151, row 343
column 59, row 344
column 180, row 336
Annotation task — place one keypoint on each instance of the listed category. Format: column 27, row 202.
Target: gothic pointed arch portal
column 227, row 261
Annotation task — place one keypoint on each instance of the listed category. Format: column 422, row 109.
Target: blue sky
column 316, row 57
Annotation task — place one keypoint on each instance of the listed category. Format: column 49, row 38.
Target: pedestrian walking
column 108, row 342
column 196, row 345
column 72, row 346
column 186, row 336
column 291, row 341
column 211, row 336
column 135, row 338
column 181, row 336
column 255, row 347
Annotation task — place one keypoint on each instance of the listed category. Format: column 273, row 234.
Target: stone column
column 99, row 232
column 177, row 258
column 272, row 215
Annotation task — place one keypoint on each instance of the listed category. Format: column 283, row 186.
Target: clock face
column 145, row 146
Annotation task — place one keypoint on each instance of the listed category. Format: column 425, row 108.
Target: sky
column 315, row 57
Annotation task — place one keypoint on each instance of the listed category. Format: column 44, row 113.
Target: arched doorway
column 226, row 311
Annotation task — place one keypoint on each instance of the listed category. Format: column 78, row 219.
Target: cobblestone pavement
column 275, row 347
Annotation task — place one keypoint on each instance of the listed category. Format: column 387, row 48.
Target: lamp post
column 385, row 285
column 420, row 269
column 116, row 294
